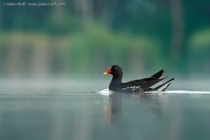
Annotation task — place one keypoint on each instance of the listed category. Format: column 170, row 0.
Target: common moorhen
column 140, row 85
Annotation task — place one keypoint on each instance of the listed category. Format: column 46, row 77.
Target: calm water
column 63, row 115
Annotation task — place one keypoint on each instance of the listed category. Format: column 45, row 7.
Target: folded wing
column 141, row 85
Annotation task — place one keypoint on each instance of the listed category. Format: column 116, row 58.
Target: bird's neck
column 115, row 83
column 116, row 78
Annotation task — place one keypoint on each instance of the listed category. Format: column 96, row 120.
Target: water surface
column 62, row 114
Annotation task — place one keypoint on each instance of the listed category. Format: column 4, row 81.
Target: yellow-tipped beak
column 105, row 73
column 108, row 71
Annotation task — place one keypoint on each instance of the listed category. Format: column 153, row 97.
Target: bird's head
column 114, row 70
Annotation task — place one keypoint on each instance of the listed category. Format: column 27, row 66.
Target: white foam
column 181, row 92
column 107, row 92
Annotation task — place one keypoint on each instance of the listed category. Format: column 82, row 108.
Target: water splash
column 107, row 92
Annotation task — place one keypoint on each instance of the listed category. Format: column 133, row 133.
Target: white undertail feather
column 162, row 88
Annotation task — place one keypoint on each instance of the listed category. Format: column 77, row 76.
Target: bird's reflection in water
column 151, row 101
column 154, row 102
column 114, row 108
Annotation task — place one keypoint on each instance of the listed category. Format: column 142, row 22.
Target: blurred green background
column 82, row 38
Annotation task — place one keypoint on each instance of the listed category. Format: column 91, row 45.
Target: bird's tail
column 161, row 87
column 158, row 74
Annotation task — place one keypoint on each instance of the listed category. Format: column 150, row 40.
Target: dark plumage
column 140, row 85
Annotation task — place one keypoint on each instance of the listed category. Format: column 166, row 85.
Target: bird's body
column 140, row 85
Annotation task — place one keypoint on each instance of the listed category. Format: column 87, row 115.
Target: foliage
column 100, row 47
column 139, row 35
column 200, row 40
